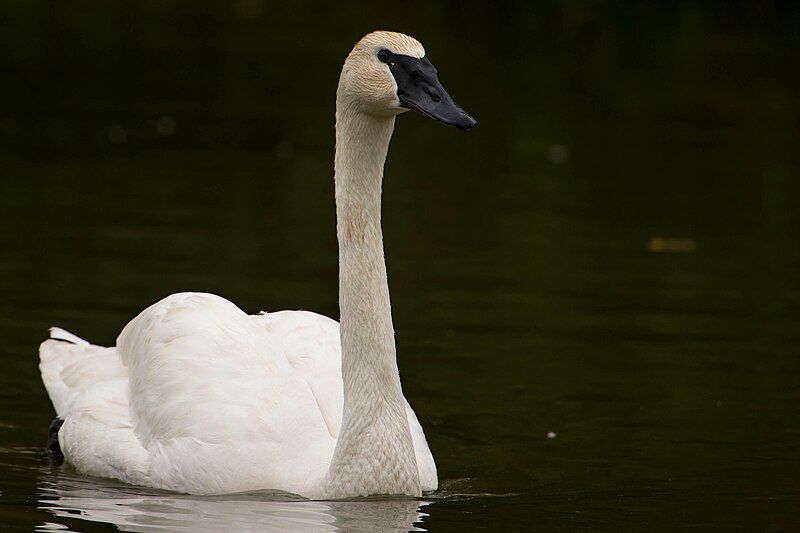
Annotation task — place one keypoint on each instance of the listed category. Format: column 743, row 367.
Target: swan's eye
column 384, row 56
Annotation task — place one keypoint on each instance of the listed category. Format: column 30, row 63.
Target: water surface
column 596, row 292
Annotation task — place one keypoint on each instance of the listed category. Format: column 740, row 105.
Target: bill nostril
column 433, row 94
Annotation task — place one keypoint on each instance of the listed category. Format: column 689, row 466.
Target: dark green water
column 613, row 255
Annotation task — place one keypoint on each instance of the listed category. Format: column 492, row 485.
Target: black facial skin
column 418, row 88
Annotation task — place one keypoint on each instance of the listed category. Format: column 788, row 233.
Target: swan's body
column 199, row 397
column 229, row 399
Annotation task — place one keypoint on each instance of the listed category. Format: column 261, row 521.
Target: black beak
column 418, row 88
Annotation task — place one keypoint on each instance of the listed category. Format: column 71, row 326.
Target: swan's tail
column 88, row 386
column 71, row 365
column 64, row 335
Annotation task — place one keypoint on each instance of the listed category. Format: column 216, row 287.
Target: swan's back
column 190, row 354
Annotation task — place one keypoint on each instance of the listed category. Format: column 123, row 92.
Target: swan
column 198, row 397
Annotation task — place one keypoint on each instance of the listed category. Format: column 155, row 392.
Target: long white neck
column 374, row 453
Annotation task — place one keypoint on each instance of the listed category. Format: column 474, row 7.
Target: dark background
column 612, row 255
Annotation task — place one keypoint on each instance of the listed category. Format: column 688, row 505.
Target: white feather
column 226, row 402
column 64, row 335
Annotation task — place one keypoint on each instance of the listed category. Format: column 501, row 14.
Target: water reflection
column 132, row 509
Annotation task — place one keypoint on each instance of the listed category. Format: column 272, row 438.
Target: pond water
column 596, row 292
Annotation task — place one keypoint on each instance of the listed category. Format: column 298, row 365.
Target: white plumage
column 200, row 397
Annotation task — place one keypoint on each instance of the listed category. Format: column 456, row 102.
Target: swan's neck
column 374, row 452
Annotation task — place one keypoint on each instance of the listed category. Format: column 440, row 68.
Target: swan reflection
column 133, row 509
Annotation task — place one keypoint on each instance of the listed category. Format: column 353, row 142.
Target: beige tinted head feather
column 399, row 43
column 366, row 84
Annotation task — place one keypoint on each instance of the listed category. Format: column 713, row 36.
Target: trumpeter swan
column 199, row 397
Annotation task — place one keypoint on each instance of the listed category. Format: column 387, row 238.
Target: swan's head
column 388, row 73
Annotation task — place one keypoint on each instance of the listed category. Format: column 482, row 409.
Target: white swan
column 199, row 397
